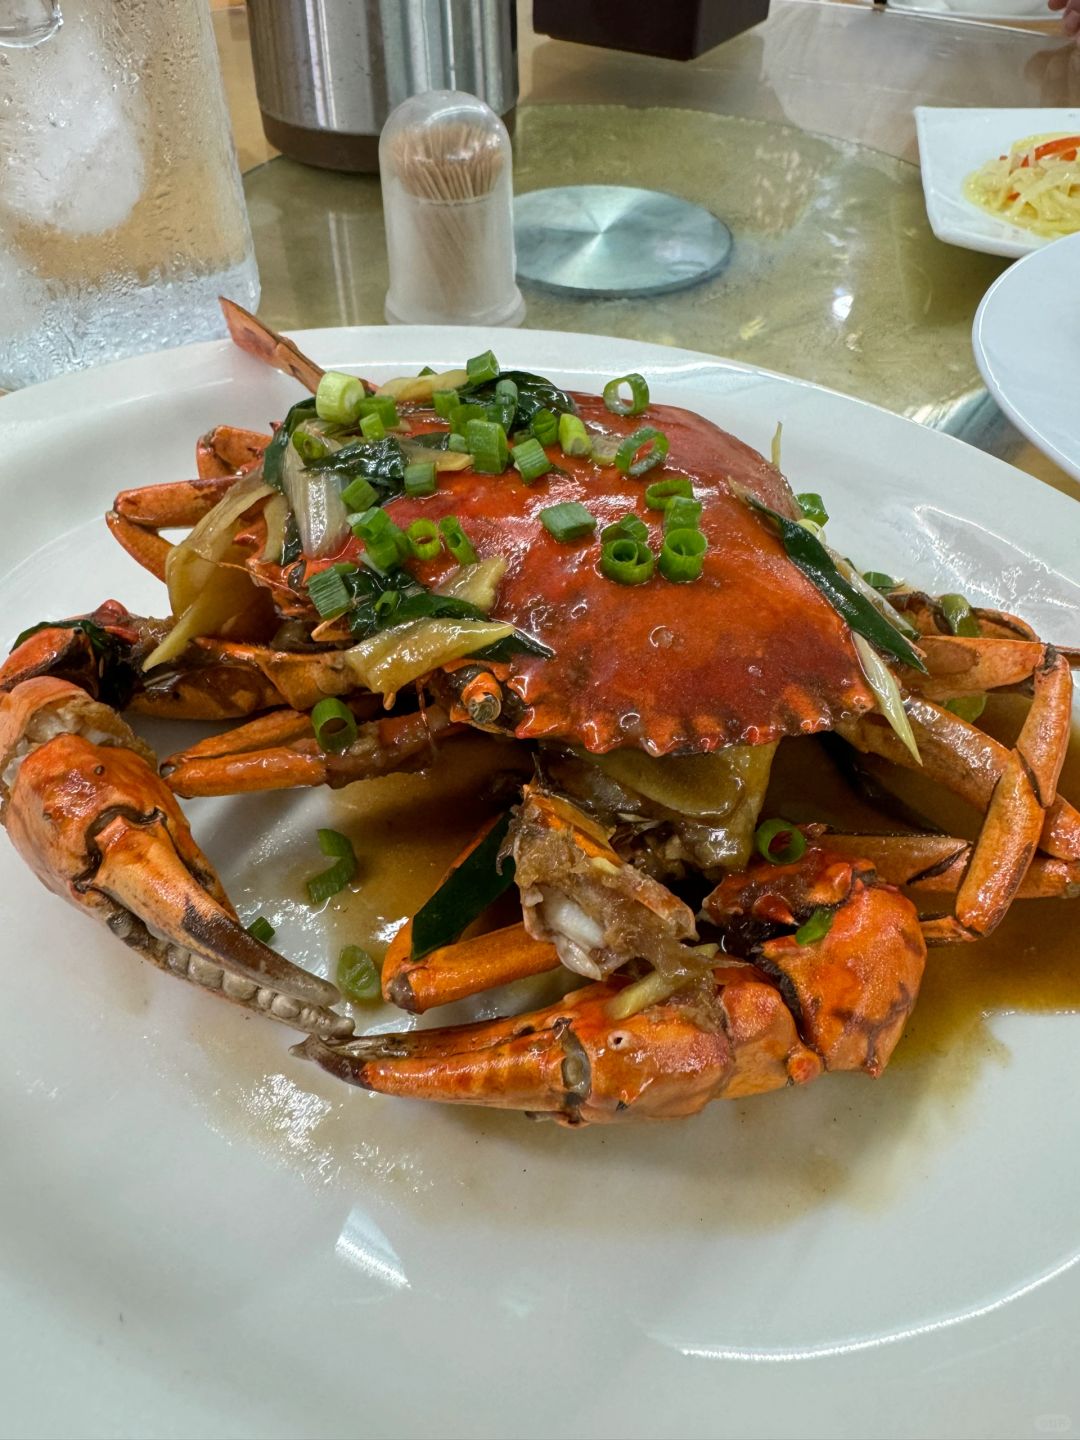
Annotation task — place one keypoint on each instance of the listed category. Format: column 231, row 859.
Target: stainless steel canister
column 329, row 72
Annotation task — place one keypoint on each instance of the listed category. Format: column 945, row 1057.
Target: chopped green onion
column 460, row 415
column 530, row 460
column 444, row 402
column 387, row 605
column 681, row 513
column 482, row 368
column 339, row 397
column 877, row 580
column 959, row 615
column 967, row 707
column 457, row 542
column 328, row 593
column 385, row 406
column 385, row 543
column 567, row 522
column 359, row 494
column 573, row 437
column 630, row 527
column 261, row 929
column 628, row 459
column 457, row 443
column 358, row 976
column 813, row 507
column 340, row 874
column 660, row 494
column 792, row 842
column 424, row 539
column 372, row 427
column 508, row 389
column 604, row 447
column 628, row 562
column 487, row 445
column 309, row 447
column 420, row 478
column 427, row 370
column 816, row 928
column 683, row 555
column 545, row 426
column 334, row 724
column 639, row 395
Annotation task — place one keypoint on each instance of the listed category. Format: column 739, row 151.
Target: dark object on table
column 329, row 72
column 676, row 31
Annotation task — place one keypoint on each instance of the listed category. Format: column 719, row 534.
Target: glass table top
column 799, row 135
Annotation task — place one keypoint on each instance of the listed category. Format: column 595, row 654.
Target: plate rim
column 1012, row 246
column 1069, row 463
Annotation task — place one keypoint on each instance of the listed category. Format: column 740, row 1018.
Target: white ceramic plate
column 203, row 1236
column 1027, row 346
column 953, row 143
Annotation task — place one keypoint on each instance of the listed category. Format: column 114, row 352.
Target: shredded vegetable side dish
column 1036, row 185
column 640, row 614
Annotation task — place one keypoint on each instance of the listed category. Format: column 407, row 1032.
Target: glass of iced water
column 121, row 213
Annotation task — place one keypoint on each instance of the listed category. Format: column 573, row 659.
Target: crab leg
column 137, row 515
column 959, row 666
column 1017, row 787
column 454, row 972
column 86, row 810
column 280, row 752
column 266, row 345
column 228, row 450
column 938, row 863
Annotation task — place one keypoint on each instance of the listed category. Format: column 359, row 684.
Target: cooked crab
column 651, row 696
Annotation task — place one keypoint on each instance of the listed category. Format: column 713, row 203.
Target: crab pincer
column 83, row 804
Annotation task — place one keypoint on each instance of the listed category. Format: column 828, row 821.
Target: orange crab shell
column 747, row 653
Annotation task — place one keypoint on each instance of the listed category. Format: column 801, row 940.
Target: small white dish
column 953, row 143
column 976, row 9
column 1026, row 338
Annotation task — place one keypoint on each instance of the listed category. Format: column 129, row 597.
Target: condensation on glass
column 121, row 213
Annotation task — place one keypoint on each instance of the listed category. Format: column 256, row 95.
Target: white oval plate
column 1026, row 336
column 953, row 143
column 206, row 1237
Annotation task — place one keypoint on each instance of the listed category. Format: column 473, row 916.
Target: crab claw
column 577, row 1063
column 83, row 804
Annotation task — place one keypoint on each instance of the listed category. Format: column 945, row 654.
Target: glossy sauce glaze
column 660, row 665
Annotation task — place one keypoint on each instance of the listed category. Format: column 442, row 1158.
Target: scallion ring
column 420, row 478
column 654, row 443
column 959, row 616
column 339, row 397
column 683, row 555
column 813, row 507
column 456, row 541
column 682, row 513
column 424, row 539
column 630, row 527
column 530, row 460
column 573, row 437
column 659, row 495
column 639, row 395
column 359, row 494
column 358, row 976
column 816, row 928
column 791, row 848
column 627, row 561
column 487, row 444
column 329, row 594
column 482, row 368
column 545, row 426
column 261, row 929
column 334, row 724
column 340, row 874
column 372, row 427
column 568, row 522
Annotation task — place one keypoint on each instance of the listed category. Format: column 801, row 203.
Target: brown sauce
column 750, row 1165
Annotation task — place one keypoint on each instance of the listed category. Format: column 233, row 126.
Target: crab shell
column 747, row 653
